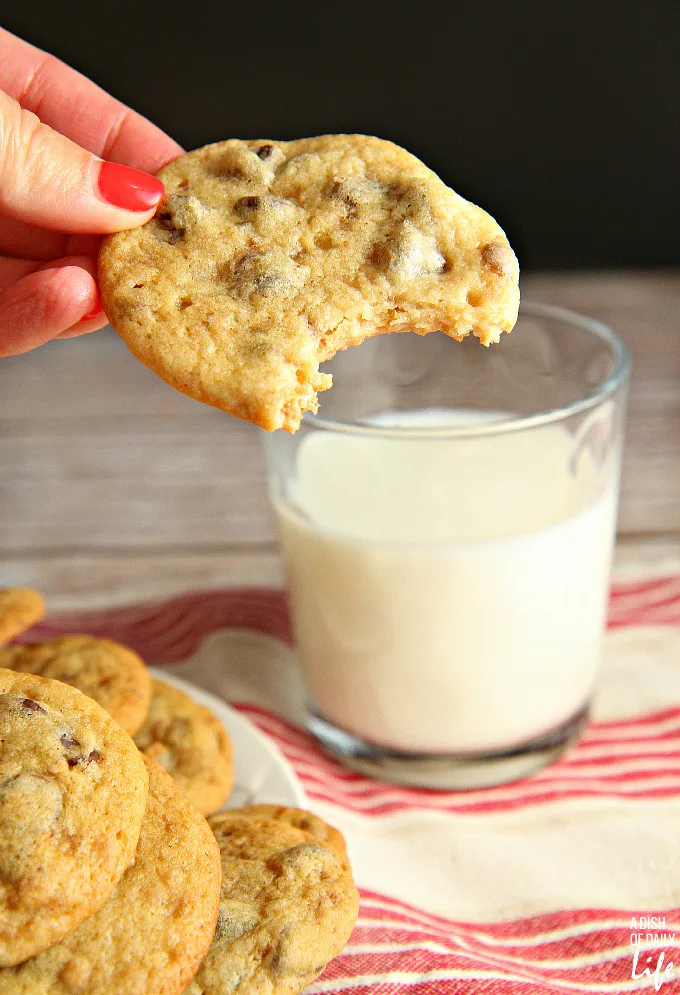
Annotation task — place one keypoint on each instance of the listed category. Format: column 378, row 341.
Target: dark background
column 560, row 119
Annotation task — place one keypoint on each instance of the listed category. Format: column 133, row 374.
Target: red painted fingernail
column 95, row 312
column 129, row 188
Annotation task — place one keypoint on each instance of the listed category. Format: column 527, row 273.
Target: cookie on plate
column 73, row 790
column 288, row 906
column 265, row 258
column 110, row 673
column 191, row 744
column 20, row 608
column 301, row 819
column 150, row 936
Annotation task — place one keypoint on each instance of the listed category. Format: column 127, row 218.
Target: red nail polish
column 129, row 188
column 95, row 312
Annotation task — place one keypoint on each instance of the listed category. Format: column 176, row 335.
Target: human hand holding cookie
column 78, row 170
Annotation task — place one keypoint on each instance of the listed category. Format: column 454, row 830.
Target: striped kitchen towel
column 565, row 882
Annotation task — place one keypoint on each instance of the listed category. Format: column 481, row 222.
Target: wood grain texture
column 97, row 454
column 73, row 580
column 89, row 580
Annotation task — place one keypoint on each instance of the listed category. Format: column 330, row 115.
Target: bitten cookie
column 150, row 936
column 73, row 789
column 265, row 258
column 110, row 673
column 288, row 906
column 190, row 743
column 20, row 608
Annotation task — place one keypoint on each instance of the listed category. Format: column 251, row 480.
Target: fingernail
column 95, row 312
column 129, row 188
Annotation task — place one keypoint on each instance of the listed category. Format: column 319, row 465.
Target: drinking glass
column 447, row 524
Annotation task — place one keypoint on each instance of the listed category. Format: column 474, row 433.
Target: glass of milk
column 447, row 523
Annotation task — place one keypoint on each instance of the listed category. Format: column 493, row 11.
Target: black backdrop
column 560, row 119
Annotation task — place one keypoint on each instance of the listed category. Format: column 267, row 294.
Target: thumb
column 49, row 181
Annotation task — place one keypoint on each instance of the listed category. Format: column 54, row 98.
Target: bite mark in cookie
column 310, row 246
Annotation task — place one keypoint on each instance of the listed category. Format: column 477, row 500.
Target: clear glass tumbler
column 447, row 525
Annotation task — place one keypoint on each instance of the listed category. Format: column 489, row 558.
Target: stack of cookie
column 111, row 879
column 168, row 726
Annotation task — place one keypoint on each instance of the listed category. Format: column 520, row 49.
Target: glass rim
column 604, row 390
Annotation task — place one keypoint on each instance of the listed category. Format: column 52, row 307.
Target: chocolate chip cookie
column 288, row 906
column 73, row 789
column 20, row 608
column 191, row 744
column 265, row 258
column 301, row 819
column 150, row 936
column 110, row 673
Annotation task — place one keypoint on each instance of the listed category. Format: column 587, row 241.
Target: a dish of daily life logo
column 650, row 941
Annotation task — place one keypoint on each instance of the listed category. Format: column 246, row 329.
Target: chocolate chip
column 167, row 223
column 355, row 191
column 232, row 173
column 234, row 921
column 265, row 152
column 412, row 200
column 172, row 226
column 267, row 282
column 172, row 237
column 76, row 750
column 278, row 959
column 266, row 276
column 94, row 757
column 303, row 854
column 341, row 191
column 496, row 256
column 410, row 253
column 29, row 705
column 247, row 205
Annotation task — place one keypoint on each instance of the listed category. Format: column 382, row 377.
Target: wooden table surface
column 114, row 487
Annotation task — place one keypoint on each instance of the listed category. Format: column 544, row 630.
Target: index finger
column 70, row 103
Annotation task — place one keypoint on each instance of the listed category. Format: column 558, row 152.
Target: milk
column 448, row 594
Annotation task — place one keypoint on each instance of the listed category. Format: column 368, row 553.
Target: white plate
column 261, row 774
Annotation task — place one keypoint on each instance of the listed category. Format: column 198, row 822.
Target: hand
column 70, row 161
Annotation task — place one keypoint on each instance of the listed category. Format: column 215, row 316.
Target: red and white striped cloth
column 532, row 887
